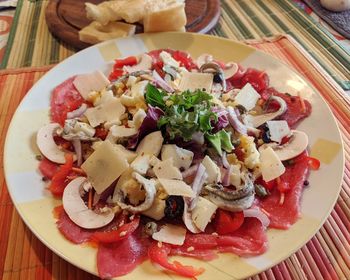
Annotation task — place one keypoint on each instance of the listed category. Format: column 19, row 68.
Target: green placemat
column 31, row 44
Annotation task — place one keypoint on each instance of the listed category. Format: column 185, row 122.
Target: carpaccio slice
column 283, row 216
column 295, row 111
column 121, row 258
column 65, row 98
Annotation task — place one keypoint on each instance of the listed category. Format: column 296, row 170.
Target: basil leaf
column 155, row 97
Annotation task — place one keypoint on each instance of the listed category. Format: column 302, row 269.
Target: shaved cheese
column 193, row 81
column 213, row 171
column 247, row 97
column 202, row 213
column 170, row 234
column 176, row 187
column 278, row 130
column 151, row 144
column 165, row 169
column 271, row 165
column 104, row 166
column 122, row 131
column 181, row 157
column 141, row 164
column 168, row 59
column 157, row 209
column 125, row 153
column 86, row 83
column 110, row 111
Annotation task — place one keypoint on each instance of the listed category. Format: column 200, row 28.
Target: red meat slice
column 205, row 255
column 295, row 112
column 48, row 168
column 70, row 230
column 121, row 258
column 65, row 98
column 283, row 216
column 250, row 239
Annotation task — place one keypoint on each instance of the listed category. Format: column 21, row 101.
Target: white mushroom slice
column 144, row 64
column 187, row 218
column 47, row 145
column 151, row 144
column 258, row 120
column 170, row 234
column 203, row 59
column 295, row 146
column 77, row 210
column 150, row 190
column 230, row 70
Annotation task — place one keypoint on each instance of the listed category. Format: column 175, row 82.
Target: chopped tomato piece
column 48, row 168
column 59, row 180
column 184, row 59
column 267, row 185
column 101, row 132
column 115, row 235
column 158, row 253
column 115, row 74
column 258, row 79
column 228, row 222
column 129, row 61
column 314, row 163
column 282, row 184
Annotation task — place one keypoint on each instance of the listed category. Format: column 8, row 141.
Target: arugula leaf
column 155, row 97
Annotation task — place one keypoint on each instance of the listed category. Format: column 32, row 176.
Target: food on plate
column 174, row 156
column 112, row 19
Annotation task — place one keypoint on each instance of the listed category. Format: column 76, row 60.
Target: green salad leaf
column 155, row 97
column 220, row 141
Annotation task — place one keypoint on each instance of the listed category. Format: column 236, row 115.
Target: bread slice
column 104, row 12
column 95, row 32
column 166, row 15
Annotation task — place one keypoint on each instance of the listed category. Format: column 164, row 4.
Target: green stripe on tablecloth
column 11, row 35
column 240, row 20
column 33, row 32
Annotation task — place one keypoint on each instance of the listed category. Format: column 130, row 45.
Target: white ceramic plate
column 35, row 204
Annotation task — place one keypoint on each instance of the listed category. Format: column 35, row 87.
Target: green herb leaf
column 155, row 97
column 220, row 141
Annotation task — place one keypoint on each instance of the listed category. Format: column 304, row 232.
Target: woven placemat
column 340, row 21
column 31, row 44
column 325, row 256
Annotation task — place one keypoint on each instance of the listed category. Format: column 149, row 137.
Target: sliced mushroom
column 214, row 68
column 203, row 59
column 295, row 146
column 256, row 121
column 230, row 70
column 77, row 210
column 47, row 145
column 231, row 200
column 144, row 64
column 150, row 190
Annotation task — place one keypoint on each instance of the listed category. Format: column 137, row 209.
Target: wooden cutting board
column 66, row 17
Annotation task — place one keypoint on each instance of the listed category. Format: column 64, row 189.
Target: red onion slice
column 197, row 184
column 225, row 163
column 257, row 213
column 190, row 171
column 160, row 82
column 235, row 122
column 187, row 218
column 78, row 112
column 226, row 179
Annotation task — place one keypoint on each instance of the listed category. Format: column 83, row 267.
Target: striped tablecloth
column 31, row 44
column 325, row 256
